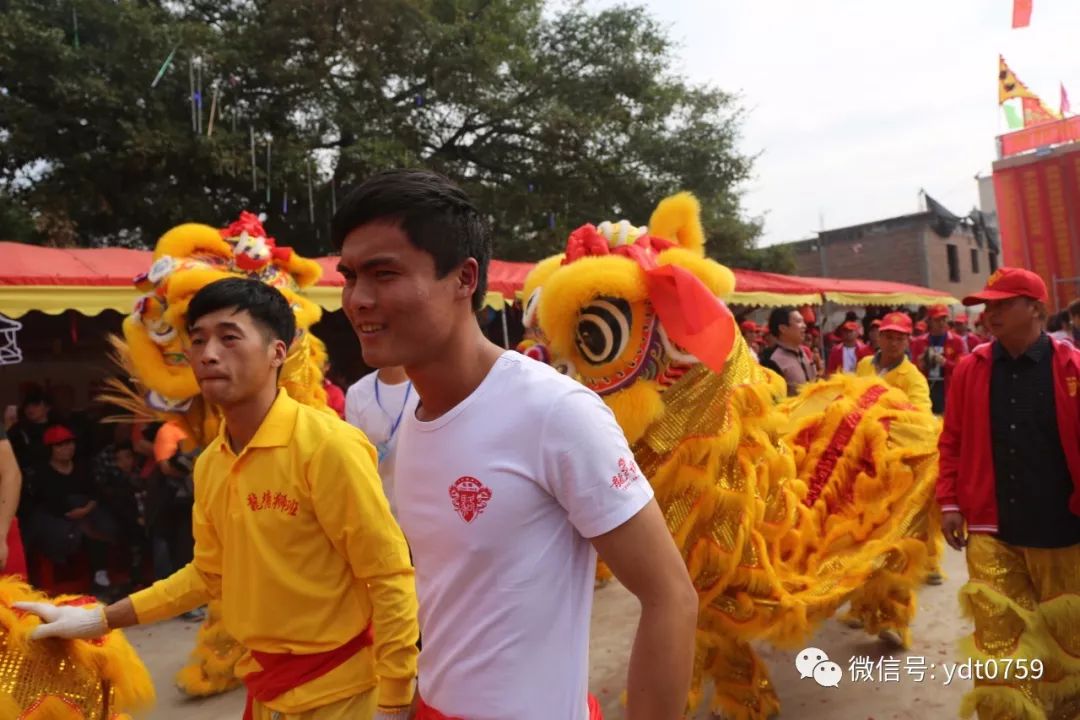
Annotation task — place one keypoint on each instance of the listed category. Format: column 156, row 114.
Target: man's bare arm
column 643, row 557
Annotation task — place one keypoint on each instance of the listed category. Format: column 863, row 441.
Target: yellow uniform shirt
column 296, row 538
column 904, row 376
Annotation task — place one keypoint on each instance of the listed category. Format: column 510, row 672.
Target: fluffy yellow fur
column 678, row 219
column 176, row 381
column 113, row 662
column 576, row 285
column 733, row 472
column 190, row 238
column 540, row 273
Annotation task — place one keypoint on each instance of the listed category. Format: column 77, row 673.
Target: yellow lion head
column 628, row 310
column 186, row 259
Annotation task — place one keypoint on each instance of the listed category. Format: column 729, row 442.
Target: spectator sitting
column 122, row 493
column 27, row 432
column 62, row 513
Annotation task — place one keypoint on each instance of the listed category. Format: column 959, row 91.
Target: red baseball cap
column 937, row 311
column 57, row 434
column 897, row 322
column 1010, row 282
column 962, row 318
column 875, row 323
column 850, row 325
column 920, row 326
column 749, row 326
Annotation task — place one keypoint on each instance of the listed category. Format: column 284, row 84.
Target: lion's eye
column 603, row 330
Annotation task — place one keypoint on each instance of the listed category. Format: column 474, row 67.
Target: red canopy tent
column 91, row 280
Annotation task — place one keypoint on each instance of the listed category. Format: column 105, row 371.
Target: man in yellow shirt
column 891, row 362
column 292, row 532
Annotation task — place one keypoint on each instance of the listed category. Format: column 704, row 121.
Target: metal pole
column 1055, row 283
column 506, row 331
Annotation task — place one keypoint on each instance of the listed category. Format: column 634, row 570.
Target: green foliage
column 550, row 116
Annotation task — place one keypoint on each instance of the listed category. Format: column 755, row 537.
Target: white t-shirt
column 498, row 498
column 376, row 416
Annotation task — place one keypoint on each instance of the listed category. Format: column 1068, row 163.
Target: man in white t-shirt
column 509, row 479
column 377, row 404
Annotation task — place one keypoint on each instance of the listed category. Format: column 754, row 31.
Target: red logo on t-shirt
column 627, row 474
column 469, row 497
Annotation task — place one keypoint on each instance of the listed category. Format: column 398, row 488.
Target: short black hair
column 780, row 316
column 434, row 213
column 266, row 305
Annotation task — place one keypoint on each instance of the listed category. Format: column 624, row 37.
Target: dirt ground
column 938, row 626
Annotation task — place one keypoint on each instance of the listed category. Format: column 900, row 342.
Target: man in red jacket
column 936, row 354
column 845, row 355
column 1010, row 472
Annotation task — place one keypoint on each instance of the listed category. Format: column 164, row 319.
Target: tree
column 549, row 117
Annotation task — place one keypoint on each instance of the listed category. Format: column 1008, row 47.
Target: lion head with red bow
column 628, row 310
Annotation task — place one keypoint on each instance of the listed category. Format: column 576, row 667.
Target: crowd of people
column 114, row 499
column 885, row 342
column 296, row 515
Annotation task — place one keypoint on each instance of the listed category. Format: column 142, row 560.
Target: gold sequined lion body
column 635, row 314
column 100, row 679
column 153, row 354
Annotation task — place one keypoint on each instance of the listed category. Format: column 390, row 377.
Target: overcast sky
column 856, row 104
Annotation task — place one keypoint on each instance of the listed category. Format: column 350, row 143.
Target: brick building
column 918, row 249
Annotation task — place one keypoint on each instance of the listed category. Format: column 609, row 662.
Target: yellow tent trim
column 90, row 300
column 843, row 298
column 17, row 300
column 768, row 299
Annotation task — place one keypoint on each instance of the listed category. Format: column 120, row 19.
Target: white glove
column 65, row 621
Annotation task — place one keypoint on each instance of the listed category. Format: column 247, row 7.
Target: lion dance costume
column 781, row 512
column 187, row 258
column 101, row 679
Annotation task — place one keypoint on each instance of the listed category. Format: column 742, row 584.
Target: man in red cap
column 1010, row 473
column 891, row 363
column 937, row 353
column 845, row 356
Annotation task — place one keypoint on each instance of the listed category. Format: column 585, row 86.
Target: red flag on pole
column 1021, row 13
column 1066, row 108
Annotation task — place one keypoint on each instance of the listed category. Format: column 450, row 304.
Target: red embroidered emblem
column 469, row 497
column 628, row 473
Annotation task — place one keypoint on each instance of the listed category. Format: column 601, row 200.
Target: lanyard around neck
column 401, row 413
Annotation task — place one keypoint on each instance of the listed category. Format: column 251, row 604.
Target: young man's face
column 399, row 309
column 938, row 325
column 847, row 337
column 233, row 358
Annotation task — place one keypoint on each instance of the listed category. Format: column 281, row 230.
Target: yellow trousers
column 357, row 707
column 1025, row 604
